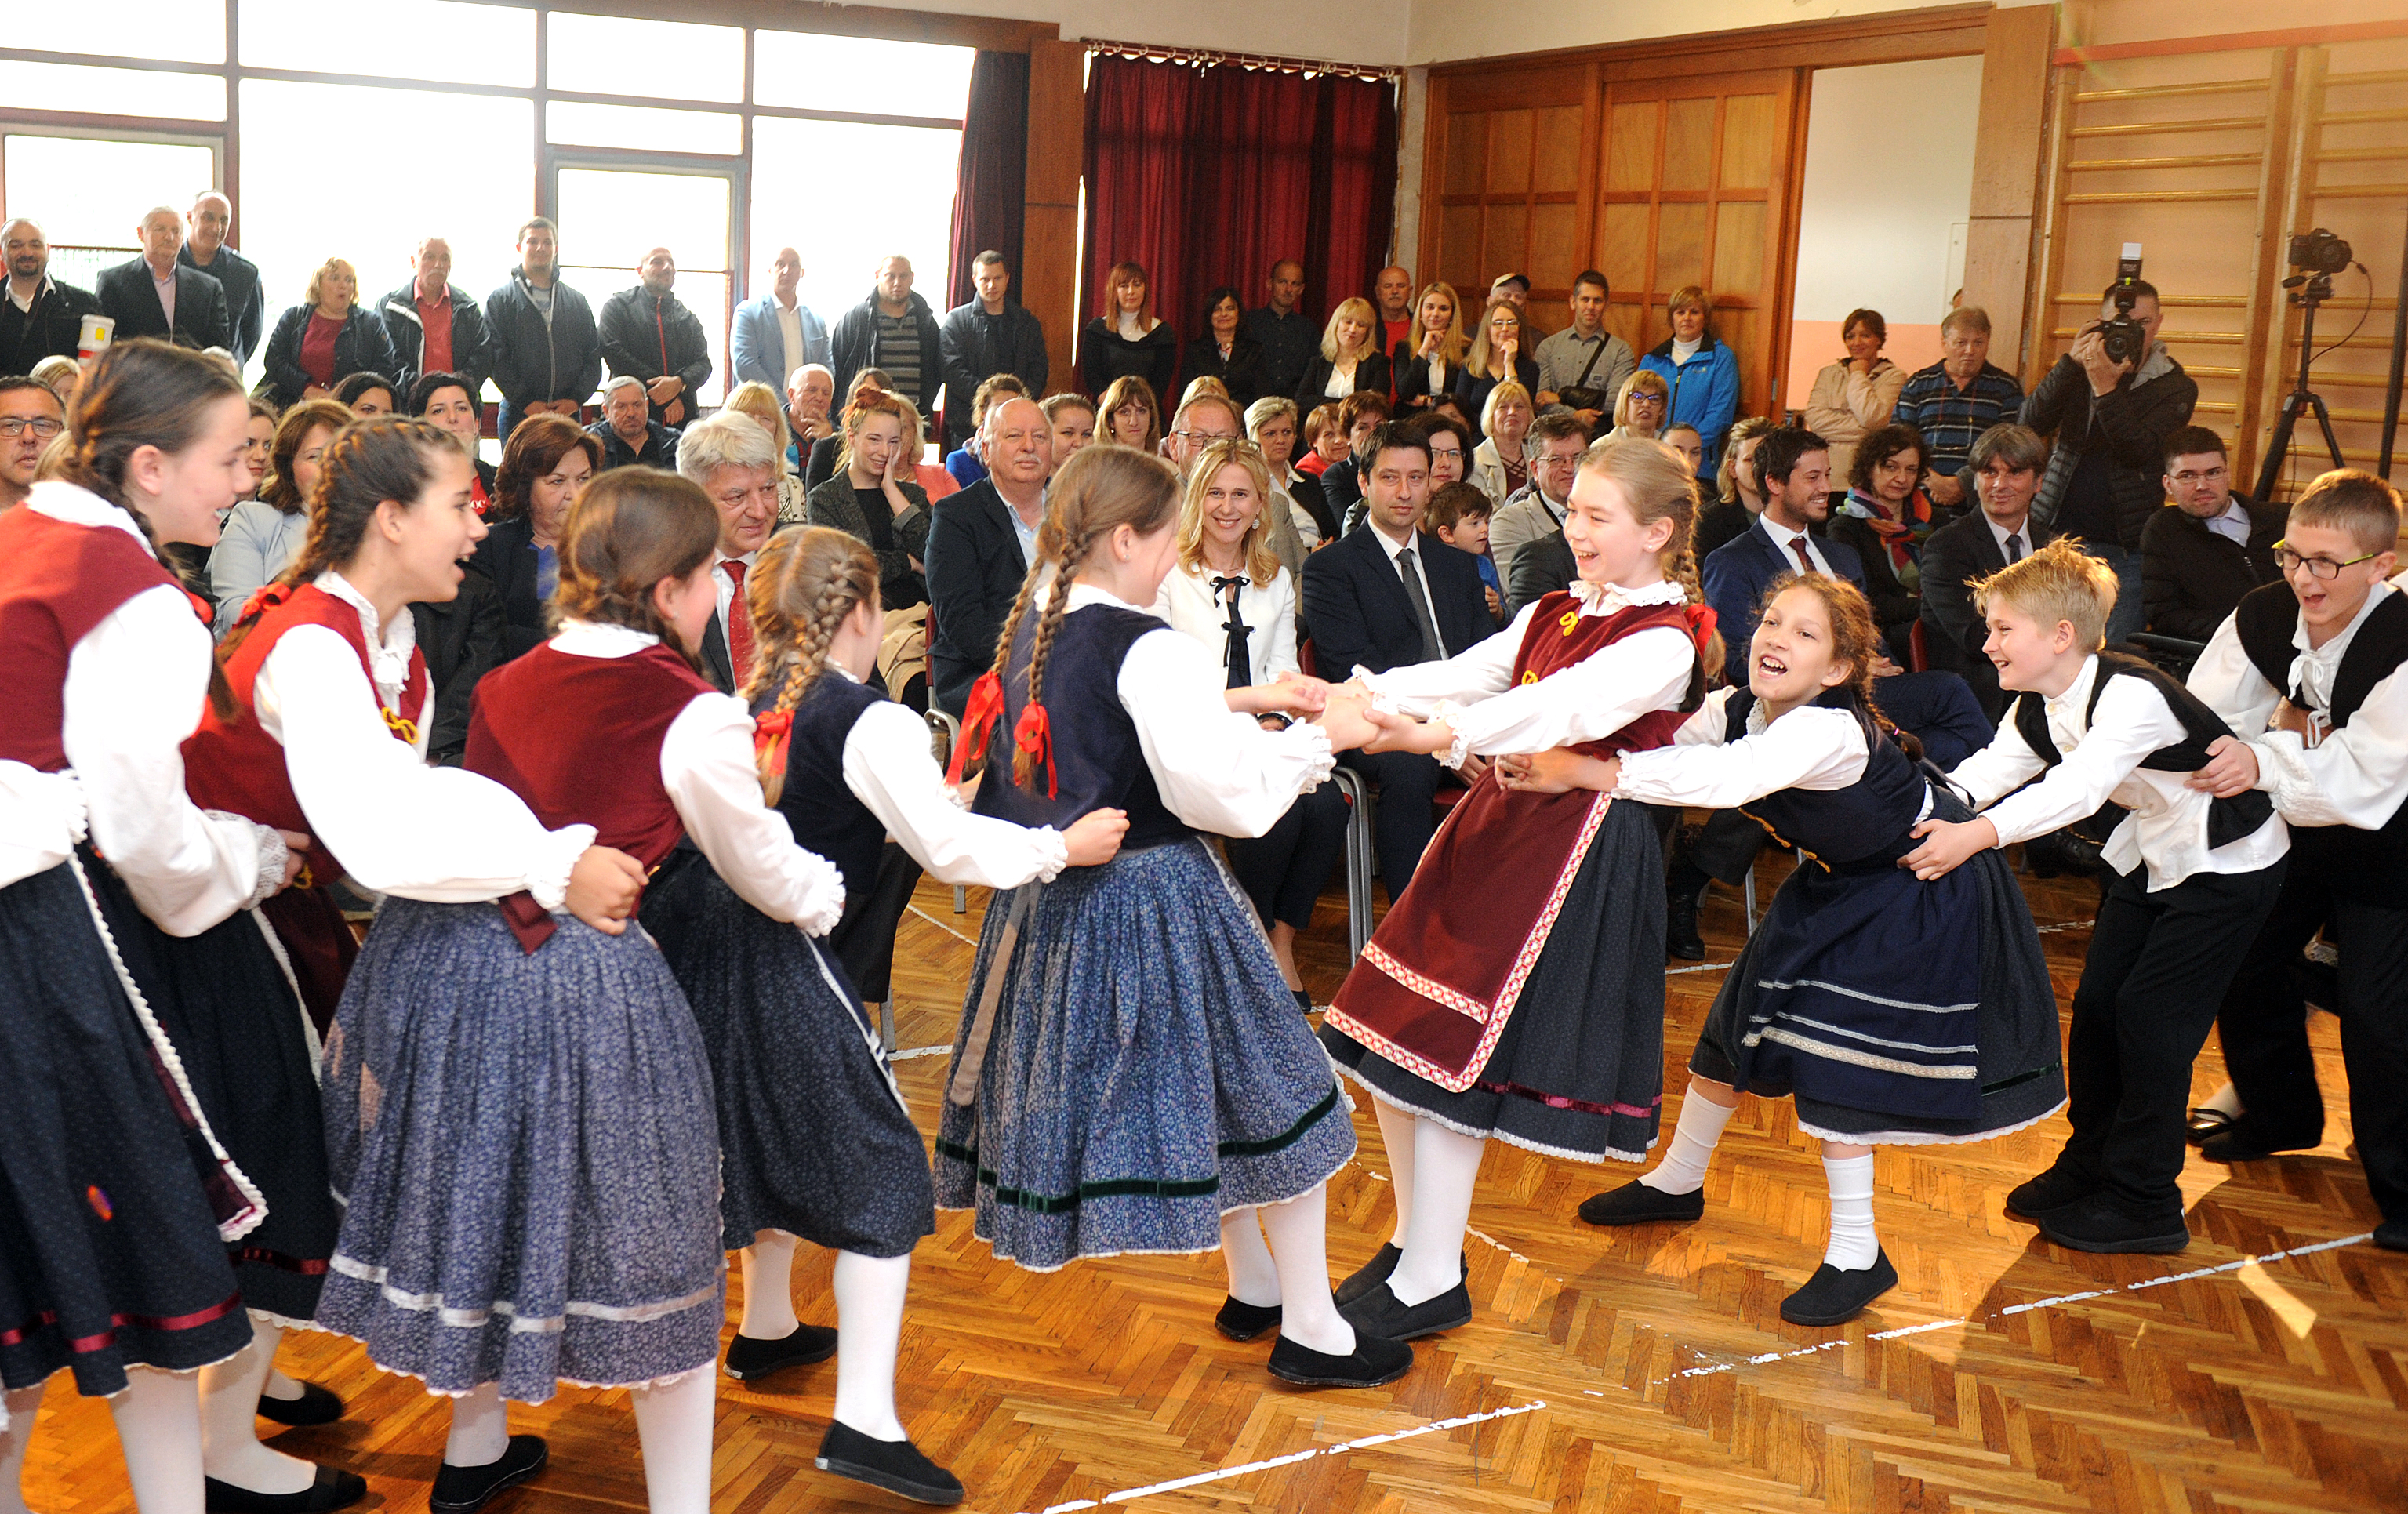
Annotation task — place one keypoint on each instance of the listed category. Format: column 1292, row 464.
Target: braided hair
column 805, row 585
column 1656, row 483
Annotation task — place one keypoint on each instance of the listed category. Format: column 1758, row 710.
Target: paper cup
column 95, row 336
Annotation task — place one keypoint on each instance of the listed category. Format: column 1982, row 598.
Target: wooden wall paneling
column 1507, row 196
column 1049, row 271
column 2010, row 134
column 2259, row 382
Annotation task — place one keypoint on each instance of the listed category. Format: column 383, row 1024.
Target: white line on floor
column 942, row 926
column 918, row 1051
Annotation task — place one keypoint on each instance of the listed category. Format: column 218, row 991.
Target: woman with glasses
column 1638, row 410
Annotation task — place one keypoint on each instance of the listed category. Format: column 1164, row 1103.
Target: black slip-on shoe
column 1636, row 1204
column 896, row 1466
column 1303, row 1001
column 1244, row 1322
column 2097, row 1224
column 465, row 1489
column 1378, row 1313
column 2204, row 1122
column 1374, row 1361
column 333, row 1490
column 2060, row 1185
column 1833, row 1297
column 2392, row 1234
column 2246, row 1140
column 1374, row 1273
column 749, row 1360
column 316, row 1405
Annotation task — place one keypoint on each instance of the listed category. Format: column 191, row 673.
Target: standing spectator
column 1584, row 360
column 546, row 354
column 1640, row 406
column 1128, row 415
column 446, row 401
column 1498, row 355
column 1224, row 349
column 2006, row 462
column 627, row 432
column 778, row 334
column 1956, row 400
column 1287, row 336
column 810, row 393
column 1350, row 361
column 261, row 536
column 461, row 637
column 894, row 330
column 1739, row 499
column 2111, row 421
column 1127, row 340
column 963, row 463
column 433, row 325
column 987, row 335
column 31, row 418
column 1498, row 466
column 547, row 464
column 210, row 219
column 1886, row 517
column 1392, row 293
column 1359, row 416
column 1070, row 422
column 155, row 295
column 326, row 338
column 649, row 333
column 2214, row 546
column 1425, row 365
column 42, row 317
column 735, row 464
column 875, row 498
column 1703, row 374
column 1271, row 425
column 1854, row 394
column 980, row 544
column 1553, row 446
column 759, row 401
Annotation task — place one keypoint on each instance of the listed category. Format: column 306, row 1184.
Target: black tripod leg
column 2278, row 447
column 2324, row 423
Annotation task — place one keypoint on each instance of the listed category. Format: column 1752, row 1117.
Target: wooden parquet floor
column 1624, row 1371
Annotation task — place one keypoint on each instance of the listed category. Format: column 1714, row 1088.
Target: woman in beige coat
column 1856, row 393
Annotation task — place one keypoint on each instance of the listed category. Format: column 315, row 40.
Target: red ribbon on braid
column 1701, row 625
column 979, row 717
column 769, row 733
column 262, row 599
column 1034, row 735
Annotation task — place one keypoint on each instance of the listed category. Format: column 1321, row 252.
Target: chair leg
column 886, row 1023
column 1747, row 897
column 1358, row 861
column 961, row 899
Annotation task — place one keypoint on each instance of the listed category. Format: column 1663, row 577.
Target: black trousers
column 2159, row 966
column 2263, row 1026
column 1283, row 870
column 1727, row 846
column 863, row 939
column 1402, row 821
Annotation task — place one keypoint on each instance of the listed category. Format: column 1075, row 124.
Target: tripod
column 2318, row 287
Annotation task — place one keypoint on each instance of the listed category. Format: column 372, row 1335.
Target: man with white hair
column 736, row 462
column 42, row 317
column 433, row 325
column 981, row 542
column 155, row 295
column 210, row 219
column 627, row 432
column 811, row 394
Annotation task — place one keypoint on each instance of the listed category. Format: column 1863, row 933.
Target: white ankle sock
column 1683, row 1168
column 1853, row 1245
column 2224, row 1101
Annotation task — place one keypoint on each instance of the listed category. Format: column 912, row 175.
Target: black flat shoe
column 1303, row 1001
column 2205, row 1122
column 333, row 1490
column 1244, row 1322
column 1374, row 1361
column 749, row 1360
column 2392, row 1234
column 2095, row 1224
column 896, row 1466
column 1833, row 1297
column 2242, row 1140
column 1378, row 1313
column 316, row 1405
column 1636, row 1204
column 2060, row 1185
column 465, row 1489
column 1374, row 1273
column 1681, row 938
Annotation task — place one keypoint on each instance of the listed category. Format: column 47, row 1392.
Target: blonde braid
column 838, row 574
column 1023, row 765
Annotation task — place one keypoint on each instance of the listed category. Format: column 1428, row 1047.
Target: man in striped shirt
column 1956, row 400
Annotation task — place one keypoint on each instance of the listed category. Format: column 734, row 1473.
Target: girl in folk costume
column 116, row 1199
column 1894, row 1011
column 1131, row 1074
column 328, row 737
column 817, row 1142
column 1470, row 1014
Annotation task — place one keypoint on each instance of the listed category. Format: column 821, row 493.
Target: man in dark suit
column 1793, row 467
column 210, row 219
column 2007, row 461
column 2198, row 559
column 155, row 295
column 1386, row 597
column 735, row 464
column 1539, row 568
column 979, row 543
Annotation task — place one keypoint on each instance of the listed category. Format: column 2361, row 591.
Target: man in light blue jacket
column 777, row 333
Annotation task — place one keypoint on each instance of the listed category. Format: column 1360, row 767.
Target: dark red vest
column 578, row 738
column 57, row 581
column 236, row 766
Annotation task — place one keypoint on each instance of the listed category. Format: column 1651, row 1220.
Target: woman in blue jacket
column 1702, row 374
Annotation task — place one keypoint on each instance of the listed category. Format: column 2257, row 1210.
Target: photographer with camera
column 2113, row 402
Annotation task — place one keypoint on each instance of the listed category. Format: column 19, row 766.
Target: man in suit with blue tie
column 1389, row 597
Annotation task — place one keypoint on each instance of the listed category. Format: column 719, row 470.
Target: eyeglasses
column 13, row 427
column 2187, row 478
column 2318, row 567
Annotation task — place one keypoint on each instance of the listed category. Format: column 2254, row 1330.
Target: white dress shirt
column 1810, row 747
column 790, row 337
column 1394, row 547
column 2167, row 828
column 1474, row 691
column 2231, row 523
column 1188, row 602
column 1782, row 537
column 2021, row 533
column 2356, row 775
column 165, row 290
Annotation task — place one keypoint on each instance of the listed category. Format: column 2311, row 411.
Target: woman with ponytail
column 817, row 1144
column 1544, row 1026
column 119, row 1197
column 1944, row 979
column 1131, row 1074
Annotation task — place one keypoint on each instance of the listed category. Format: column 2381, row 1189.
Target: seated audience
column 1271, row 425
column 1498, row 465
column 1350, row 360
column 1856, row 393
column 1640, row 408
column 548, row 462
column 1201, row 422
column 627, row 432
column 985, row 337
column 1451, row 446
column 1325, row 439
column 875, row 499
column 1539, row 568
column 810, row 395
column 365, row 394
column 328, row 335
column 1129, row 415
column 1583, row 367
column 2214, row 546
column 759, row 401
column 41, row 317
column 1498, row 355
column 1424, row 367
column 962, row 462
column 1359, row 415
column 1738, row 499
column 447, row 400
column 61, row 376
column 777, row 334
column 735, row 463
column 1224, row 349
column 979, row 543
column 2006, row 462
column 1956, row 400
column 1554, row 447
column 1886, row 517
column 932, row 476
column 1682, row 438
column 1458, row 514
column 821, row 466
column 31, row 418
column 1127, row 340
column 261, row 537
column 894, row 330
column 432, row 325
column 1793, row 467
column 259, row 444
column 461, row 637
column 1071, row 416
column 1701, row 373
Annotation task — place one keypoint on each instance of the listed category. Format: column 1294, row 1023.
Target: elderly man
column 985, row 337
column 208, row 221
column 1554, row 446
column 433, row 325
column 42, row 317
column 777, row 333
column 545, row 357
column 1956, row 400
column 809, row 394
column 1514, row 290
column 647, row 333
column 981, row 542
column 2198, row 559
column 156, row 295
column 1391, row 294
column 894, row 330
column 31, row 418
column 736, row 462
column 627, row 432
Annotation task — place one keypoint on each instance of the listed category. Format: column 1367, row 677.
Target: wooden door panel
column 1688, row 146
column 1509, row 153
column 1630, row 144
column 1555, row 148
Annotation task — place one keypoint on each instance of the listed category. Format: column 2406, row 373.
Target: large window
column 461, row 119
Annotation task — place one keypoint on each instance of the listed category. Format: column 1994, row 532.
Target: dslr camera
column 2319, row 252
column 2125, row 339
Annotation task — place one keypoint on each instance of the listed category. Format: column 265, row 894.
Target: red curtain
column 989, row 202
column 1208, row 177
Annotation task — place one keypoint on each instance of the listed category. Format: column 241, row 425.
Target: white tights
column 1299, row 1261
column 23, row 1404
column 230, row 1447
column 673, row 1424
column 870, row 1293
column 158, row 1427
column 1443, row 1167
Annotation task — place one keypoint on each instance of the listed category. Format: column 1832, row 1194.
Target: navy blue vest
column 1099, row 763
column 825, row 816
column 1865, row 822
